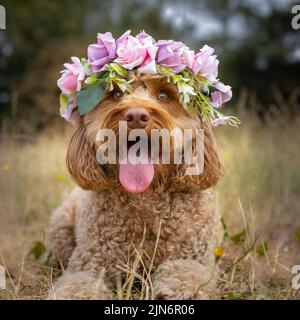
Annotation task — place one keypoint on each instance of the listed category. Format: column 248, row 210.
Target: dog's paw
column 181, row 280
column 79, row 286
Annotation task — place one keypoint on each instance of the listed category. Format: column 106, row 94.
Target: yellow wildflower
column 60, row 177
column 218, row 252
column 5, row 167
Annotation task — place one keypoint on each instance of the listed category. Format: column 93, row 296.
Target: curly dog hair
column 100, row 224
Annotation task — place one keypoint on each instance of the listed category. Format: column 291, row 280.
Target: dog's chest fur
column 114, row 228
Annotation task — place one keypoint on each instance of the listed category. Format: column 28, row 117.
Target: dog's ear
column 212, row 170
column 82, row 163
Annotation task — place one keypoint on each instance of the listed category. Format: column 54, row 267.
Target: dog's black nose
column 137, row 118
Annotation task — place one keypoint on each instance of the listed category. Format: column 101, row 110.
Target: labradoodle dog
column 101, row 227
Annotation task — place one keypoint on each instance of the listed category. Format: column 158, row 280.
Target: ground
column 258, row 199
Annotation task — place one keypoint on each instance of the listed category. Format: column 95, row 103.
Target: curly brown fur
column 100, row 225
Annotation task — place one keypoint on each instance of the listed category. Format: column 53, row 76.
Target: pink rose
column 188, row 57
column 222, row 95
column 103, row 52
column 131, row 53
column 138, row 52
column 122, row 38
column 149, row 64
column 206, row 64
column 170, row 55
column 72, row 77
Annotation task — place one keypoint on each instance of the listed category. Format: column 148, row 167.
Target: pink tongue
column 136, row 178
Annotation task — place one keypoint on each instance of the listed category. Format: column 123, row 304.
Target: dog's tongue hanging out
column 137, row 175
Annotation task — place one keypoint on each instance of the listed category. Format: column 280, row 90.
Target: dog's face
column 150, row 103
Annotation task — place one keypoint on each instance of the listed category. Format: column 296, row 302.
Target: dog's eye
column 163, row 95
column 117, row 94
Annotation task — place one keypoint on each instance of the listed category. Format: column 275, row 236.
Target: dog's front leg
column 60, row 239
column 183, row 279
column 79, row 286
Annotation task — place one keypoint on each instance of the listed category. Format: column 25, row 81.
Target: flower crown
column 115, row 62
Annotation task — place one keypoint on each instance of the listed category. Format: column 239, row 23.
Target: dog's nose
column 137, row 118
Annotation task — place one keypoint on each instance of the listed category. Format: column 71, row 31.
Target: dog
column 101, row 226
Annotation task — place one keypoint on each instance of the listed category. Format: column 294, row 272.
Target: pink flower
column 131, row 53
column 122, row 38
column 103, row 52
column 170, row 55
column 222, row 95
column 206, row 64
column 188, row 57
column 149, row 65
column 139, row 51
column 72, row 76
column 67, row 112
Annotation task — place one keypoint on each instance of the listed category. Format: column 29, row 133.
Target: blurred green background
column 258, row 49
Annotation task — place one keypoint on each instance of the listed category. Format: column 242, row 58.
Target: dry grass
column 258, row 197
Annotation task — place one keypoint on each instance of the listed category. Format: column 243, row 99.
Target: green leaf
column 120, row 70
column 122, row 83
column 47, row 261
column 86, row 66
column 92, row 80
column 225, row 229
column 37, row 250
column 88, row 99
column 103, row 75
column 239, row 237
column 64, row 103
column 235, row 295
column 262, row 249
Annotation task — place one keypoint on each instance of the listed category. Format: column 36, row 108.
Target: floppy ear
column 82, row 163
column 212, row 170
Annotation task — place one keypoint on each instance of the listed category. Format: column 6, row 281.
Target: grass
column 258, row 199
